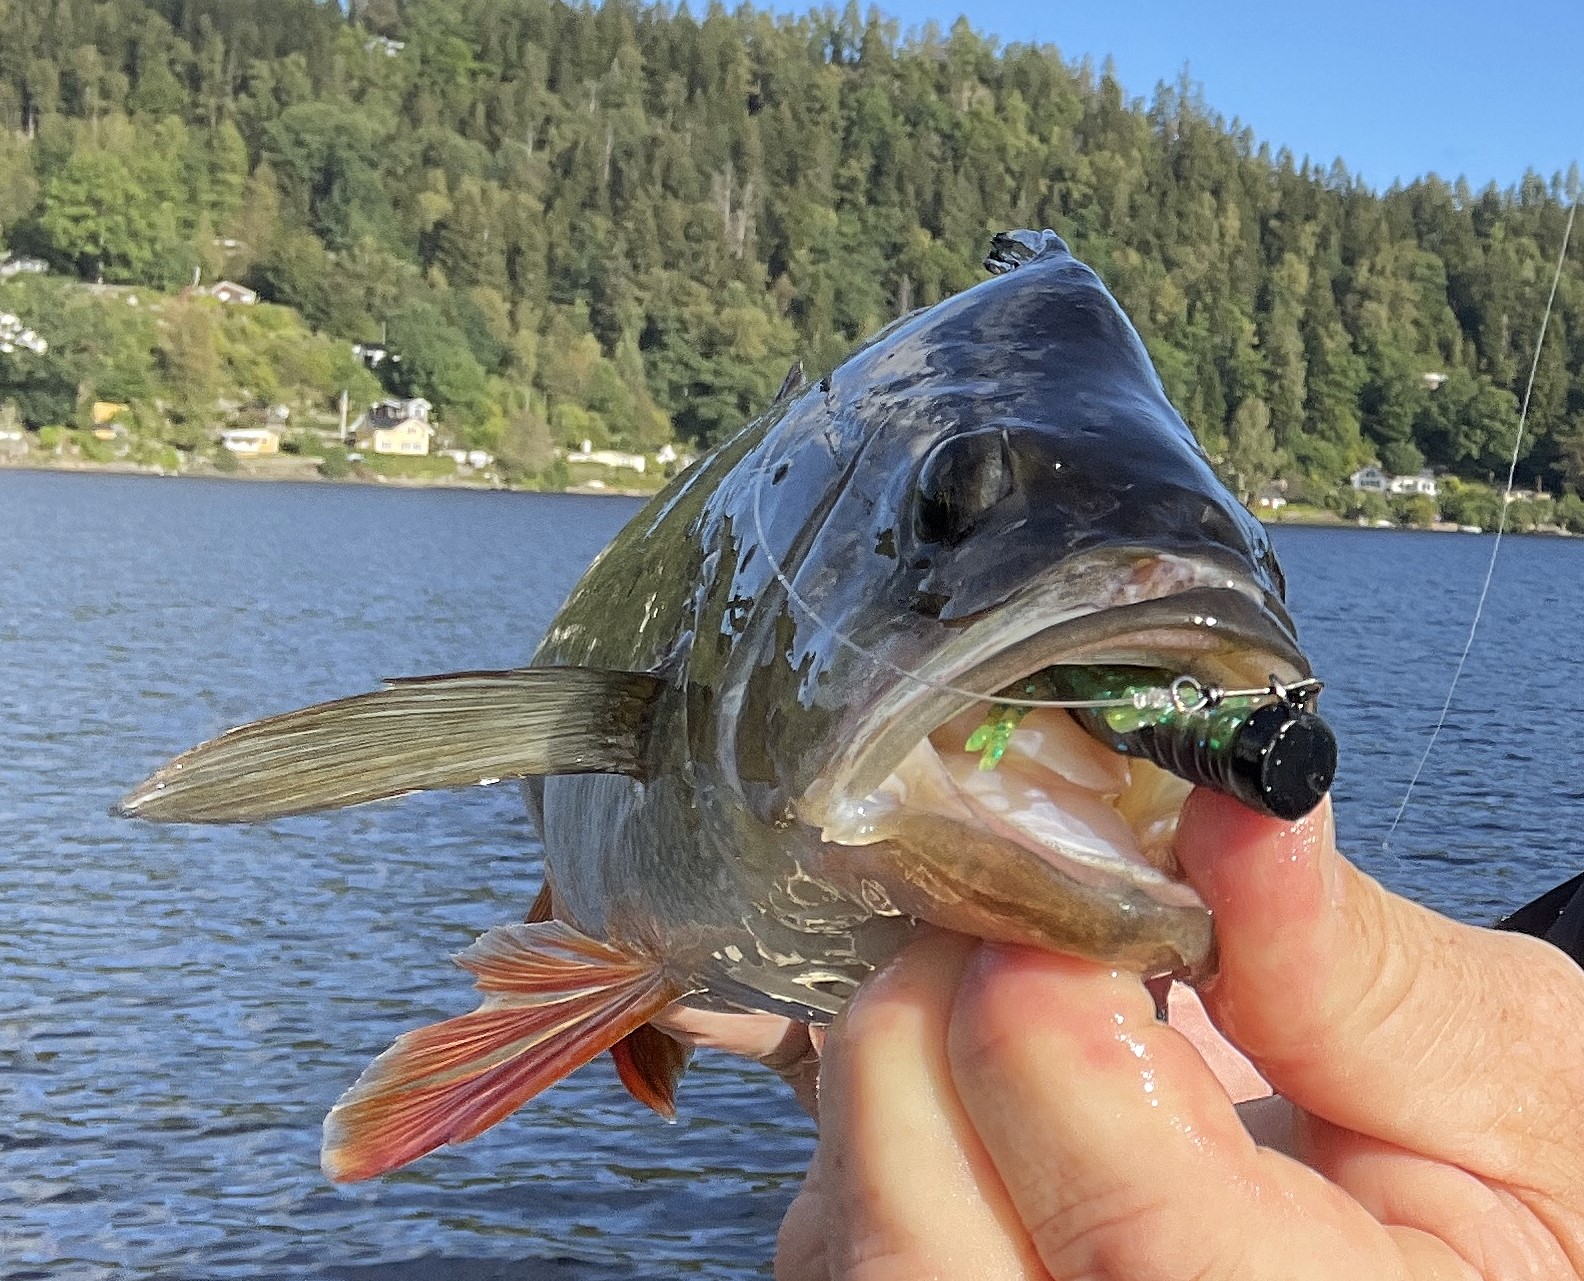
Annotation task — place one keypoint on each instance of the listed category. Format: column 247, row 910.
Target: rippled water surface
column 179, row 1006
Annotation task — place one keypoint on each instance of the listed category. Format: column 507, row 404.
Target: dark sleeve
column 1557, row 916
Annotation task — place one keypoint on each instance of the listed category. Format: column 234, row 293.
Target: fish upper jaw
column 1067, row 844
column 1215, row 622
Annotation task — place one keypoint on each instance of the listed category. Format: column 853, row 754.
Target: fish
column 742, row 739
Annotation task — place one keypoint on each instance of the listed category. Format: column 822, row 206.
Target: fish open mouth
column 1066, row 843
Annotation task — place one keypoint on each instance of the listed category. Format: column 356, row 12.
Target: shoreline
column 304, row 471
column 308, row 473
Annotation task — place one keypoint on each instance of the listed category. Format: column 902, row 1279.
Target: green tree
column 99, row 217
column 1402, row 457
column 1418, row 510
column 437, row 364
column 643, row 216
column 1252, row 458
column 189, row 355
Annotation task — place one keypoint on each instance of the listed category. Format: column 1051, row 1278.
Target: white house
column 1370, row 480
column 608, row 458
column 10, row 266
column 477, row 459
column 229, row 292
column 1421, row 482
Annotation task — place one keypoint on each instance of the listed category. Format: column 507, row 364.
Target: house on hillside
column 1370, row 480
column 13, row 334
column 608, row 457
column 250, row 442
column 1272, row 496
column 476, row 459
column 229, row 292
column 1421, row 482
column 394, row 427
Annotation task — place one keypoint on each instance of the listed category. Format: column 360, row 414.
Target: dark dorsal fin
column 1011, row 249
column 421, row 733
column 793, row 382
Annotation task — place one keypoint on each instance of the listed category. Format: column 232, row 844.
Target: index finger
column 1382, row 1016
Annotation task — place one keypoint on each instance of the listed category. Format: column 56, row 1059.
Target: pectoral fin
column 422, row 732
column 554, row 999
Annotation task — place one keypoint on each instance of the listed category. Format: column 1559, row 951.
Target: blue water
column 179, row 1006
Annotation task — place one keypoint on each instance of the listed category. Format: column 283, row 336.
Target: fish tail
column 554, row 999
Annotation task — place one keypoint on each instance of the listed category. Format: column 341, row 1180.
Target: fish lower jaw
column 1098, row 818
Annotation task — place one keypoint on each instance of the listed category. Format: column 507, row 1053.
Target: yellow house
column 251, row 441
column 394, row 427
column 107, row 411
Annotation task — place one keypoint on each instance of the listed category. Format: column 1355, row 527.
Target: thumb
column 1379, row 1015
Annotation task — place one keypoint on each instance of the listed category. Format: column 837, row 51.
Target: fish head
column 990, row 487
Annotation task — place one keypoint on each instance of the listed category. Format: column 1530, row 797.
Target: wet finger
column 1122, row 1153
column 801, row 1242
column 1384, row 1017
column 787, row 1048
column 755, row 1036
column 1488, row 1225
column 909, row 1191
column 796, row 1060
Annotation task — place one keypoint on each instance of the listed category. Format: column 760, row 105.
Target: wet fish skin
column 1070, row 434
column 988, row 483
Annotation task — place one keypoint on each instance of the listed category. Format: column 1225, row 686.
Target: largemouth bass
column 744, row 738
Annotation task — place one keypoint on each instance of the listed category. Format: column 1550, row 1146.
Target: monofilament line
column 1501, row 528
column 879, row 660
column 1160, row 698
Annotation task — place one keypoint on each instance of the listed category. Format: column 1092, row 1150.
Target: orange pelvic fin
column 543, row 906
column 553, row 1000
column 650, row 1065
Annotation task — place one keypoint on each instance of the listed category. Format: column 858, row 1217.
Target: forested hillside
column 624, row 223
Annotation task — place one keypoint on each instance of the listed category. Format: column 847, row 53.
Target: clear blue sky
column 1396, row 89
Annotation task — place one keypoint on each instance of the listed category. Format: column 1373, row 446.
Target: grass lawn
column 409, row 467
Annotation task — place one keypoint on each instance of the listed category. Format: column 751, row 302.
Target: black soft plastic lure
column 1267, row 748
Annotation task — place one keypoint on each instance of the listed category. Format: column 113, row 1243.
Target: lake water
column 180, row 1006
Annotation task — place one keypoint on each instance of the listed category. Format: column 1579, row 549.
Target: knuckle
column 1123, row 1232
column 877, row 1253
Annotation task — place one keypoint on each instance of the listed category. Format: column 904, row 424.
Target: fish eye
column 961, row 479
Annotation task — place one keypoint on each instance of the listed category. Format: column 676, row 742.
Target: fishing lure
column 1266, row 747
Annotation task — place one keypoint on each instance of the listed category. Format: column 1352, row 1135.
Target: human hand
column 792, row 1050
column 990, row 1112
column 788, row 1048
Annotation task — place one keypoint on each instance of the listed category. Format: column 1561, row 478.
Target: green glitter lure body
column 1267, row 748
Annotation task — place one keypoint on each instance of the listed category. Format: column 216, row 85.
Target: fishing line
column 1184, row 694
column 1501, row 528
